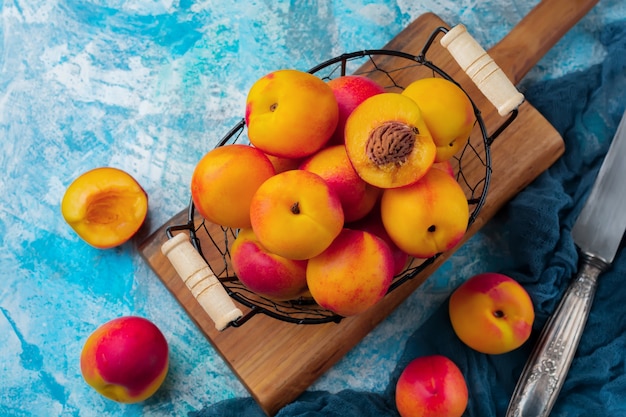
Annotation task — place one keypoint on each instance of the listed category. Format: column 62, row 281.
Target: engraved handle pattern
column 544, row 373
column 201, row 281
column 481, row 68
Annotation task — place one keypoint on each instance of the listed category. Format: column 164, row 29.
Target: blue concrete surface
column 149, row 86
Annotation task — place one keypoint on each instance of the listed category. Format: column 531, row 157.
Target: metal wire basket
column 213, row 242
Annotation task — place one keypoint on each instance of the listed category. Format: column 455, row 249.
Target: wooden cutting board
column 277, row 361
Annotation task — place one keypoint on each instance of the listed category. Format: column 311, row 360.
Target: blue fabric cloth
column 585, row 107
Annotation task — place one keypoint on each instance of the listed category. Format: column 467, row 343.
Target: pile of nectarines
column 341, row 183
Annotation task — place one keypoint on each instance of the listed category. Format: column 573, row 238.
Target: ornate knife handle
column 546, row 369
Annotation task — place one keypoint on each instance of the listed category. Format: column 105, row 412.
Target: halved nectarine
column 388, row 142
column 105, row 206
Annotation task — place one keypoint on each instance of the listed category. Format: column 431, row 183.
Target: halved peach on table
column 388, row 142
column 105, row 206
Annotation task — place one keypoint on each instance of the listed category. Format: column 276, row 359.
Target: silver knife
column 597, row 232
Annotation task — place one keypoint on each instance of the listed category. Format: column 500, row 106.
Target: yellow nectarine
column 491, row 313
column 224, row 181
column 447, row 111
column 296, row 215
column 290, row 113
column 428, row 217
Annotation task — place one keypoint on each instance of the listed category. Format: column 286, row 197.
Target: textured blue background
column 149, row 87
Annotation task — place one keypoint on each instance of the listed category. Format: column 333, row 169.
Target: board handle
column 482, row 69
column 201, row 281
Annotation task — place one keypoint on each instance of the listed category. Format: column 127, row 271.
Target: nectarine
column 224, row 181
column 431, row 386
column 266, row 273
column 491, row 313
column 332, row 164
column 352, row 274
column 447, row 111
column 427, row 217
column 125, row 359
column 296, row 215
column 290, row 113
column 350, row 91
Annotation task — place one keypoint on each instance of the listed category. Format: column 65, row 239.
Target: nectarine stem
column 498, row 314
column 391, row 142
column 295, row 208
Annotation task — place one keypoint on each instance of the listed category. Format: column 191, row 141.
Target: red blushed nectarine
column 224, row 181
column 350, row 91
column 388, row 142
column 352, row 274
column 447, row 111
column 491, row 313
column 332, row 164
column 105, row 207
column 296, row 215
column 265, row 273
column 125, row 359
column 427, row 217
column 290, row 113
column 431, row 386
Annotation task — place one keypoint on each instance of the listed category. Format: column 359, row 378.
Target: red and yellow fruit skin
column 265, row 273
column 388, row 142
column 445, row 166
column 352, row 274
column 290, row 113
column 283, row 164
column 105, row 207
column 447, row 111
column 296, row 215
column 431, row 386
column 373, row 223
column 125, row 359
column 428, row 217
column 224, row 181
column 491, row 313
column 332, row 164
column 350, row 91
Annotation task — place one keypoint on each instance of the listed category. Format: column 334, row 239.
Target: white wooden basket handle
column 201, row 281
column 482, row 69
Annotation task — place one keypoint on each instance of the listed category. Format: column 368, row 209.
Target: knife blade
column 597, row 233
